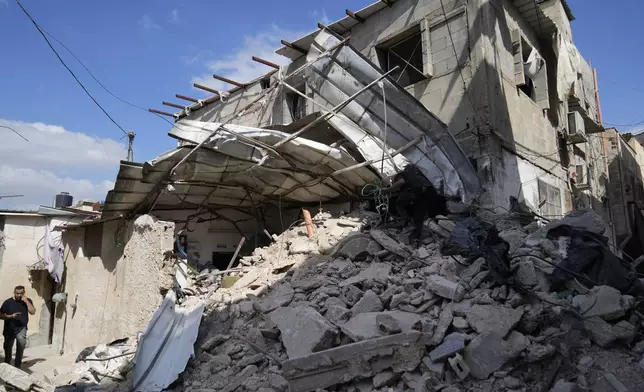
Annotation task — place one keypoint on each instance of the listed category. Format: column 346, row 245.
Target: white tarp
column 568, row 65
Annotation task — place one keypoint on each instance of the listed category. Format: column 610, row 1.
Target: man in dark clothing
column 15, row 312
column 418, row 199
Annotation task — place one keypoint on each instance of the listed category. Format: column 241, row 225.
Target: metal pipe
column 226, row 80
column 239, row 246
column 335, row 110
column 265, row 62
column 186, row 98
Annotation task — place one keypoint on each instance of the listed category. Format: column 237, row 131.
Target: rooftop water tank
column 63, row 199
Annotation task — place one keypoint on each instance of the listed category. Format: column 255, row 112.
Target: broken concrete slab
column 387, row 324
column 605, row 334
column 375, row 271
column 487, row 318
column 486, row 354
column 355, row 245
column 337, row 314
column 303, row 330
column 445, row 288
column 302, row 245
column 517, row 343
column 602, row 301
column 390, row 244
column 385, row 379
column 15, row 377
column 400, row 353
column 444, row 321
column 365, row 326
column 370, row 302
column 514, row 237
column 247, row 279
column 281, row 295
column 526, row 274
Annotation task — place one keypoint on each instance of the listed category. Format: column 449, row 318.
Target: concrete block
column 486, row 354
column 390, row 244
column 15, row 377
column 354, row 245
column 303, row 330
column 444, row 321
column 376, row 271
column 601, row 301
column 370, row 302
column 604, row 334
column 337, row 315
column 385, row 378
column 458, row 364
column 400, row 353
column 487, row 318
column 281, row 295
column 445, row 288
column 366, row 326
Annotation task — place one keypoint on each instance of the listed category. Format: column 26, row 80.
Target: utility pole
column 130, row 143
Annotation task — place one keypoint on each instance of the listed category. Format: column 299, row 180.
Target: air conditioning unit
column 576, row 128
column 581, row 177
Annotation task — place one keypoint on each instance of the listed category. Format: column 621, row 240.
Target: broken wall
column 119, row 290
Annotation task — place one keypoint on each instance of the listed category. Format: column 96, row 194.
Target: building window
column 405, row 51
column 549, row 200
column 530, row 73
column 93, row 240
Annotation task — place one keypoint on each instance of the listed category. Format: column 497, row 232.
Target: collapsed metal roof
column 224, row 165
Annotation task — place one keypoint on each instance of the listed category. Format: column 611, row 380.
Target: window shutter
column 517, row 52
column 541, row 88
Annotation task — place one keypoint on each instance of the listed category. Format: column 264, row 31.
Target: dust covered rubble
column 361, row 309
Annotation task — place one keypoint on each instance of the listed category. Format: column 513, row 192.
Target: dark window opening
column 220, row 260
column 2, row 221
column 265, row 83
column 296, row 104
column 528, row 88
column 549, row 200
column 93, row 240
column 407, row 55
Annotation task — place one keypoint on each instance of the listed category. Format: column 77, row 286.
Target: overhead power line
column 17, row 133
column 69, row 69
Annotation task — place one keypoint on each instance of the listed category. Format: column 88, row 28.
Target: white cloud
column 320, row 16
column 54, row 160
column 239, row 65
column 147, row 23
column 174, row 16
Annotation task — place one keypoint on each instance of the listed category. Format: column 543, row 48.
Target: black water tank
column 63, row 199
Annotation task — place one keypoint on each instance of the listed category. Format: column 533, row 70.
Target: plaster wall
column 119, row 290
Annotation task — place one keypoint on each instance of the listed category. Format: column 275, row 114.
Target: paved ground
column 41, row 360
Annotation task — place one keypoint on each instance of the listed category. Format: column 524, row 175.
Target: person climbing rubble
column 417, row 199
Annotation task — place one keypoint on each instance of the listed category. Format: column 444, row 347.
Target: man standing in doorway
column 15, row 312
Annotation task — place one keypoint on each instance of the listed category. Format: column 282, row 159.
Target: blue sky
column 146, row 51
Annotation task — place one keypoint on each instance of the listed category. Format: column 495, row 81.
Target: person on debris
column 418, row 199
column 15, row 312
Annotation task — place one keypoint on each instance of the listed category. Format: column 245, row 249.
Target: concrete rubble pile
column 373, row 312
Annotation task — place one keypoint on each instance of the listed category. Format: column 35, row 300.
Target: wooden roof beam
column 294, row 47
column 226, row 80
column 161, row 113
column 173, row 105
column 186, row 98
column 354, row 16
column 205, row 88
column 266, row 62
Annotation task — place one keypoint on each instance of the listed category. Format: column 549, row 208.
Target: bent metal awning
column 368, row 129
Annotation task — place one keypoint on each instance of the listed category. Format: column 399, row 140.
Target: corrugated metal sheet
column 167, row 344
column 337, row 77
column 236, row 168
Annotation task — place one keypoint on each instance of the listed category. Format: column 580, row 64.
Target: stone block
column 400, row 353
column 337, row 315
column 445, row 288
column 281, row 295
column 390, row 244
column 525, row 274
column 375, row 271
column 601, row 301
column 303, row 330
column 384, row 379
column 444, row 321
column 366, row 326
column 370, row 302
column 605, row 334
column 487, row 318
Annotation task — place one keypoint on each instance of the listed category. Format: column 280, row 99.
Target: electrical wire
column 69, row 69
column 449, row 31
column 16, row 132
